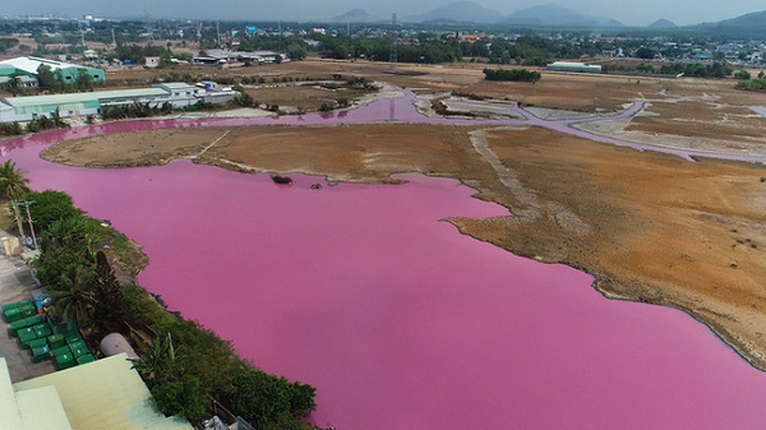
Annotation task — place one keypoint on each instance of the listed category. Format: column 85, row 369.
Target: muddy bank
column 649, row 227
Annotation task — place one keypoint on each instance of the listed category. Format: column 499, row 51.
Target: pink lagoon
column 401, row 322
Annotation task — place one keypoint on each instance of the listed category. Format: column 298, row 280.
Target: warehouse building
column 177, row 94
column 28, row 66
column 104, row 394
column 567, row 66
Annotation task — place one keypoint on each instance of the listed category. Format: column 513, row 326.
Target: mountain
column 751, row 24
column 356, row 15
column 662, row 24
column 553, row 15
column 462, row 11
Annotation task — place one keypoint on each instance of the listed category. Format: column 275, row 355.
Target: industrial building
column 221, row 56
column 28, row 66
column 178, row 94
column 566, row 66
column 104, row 394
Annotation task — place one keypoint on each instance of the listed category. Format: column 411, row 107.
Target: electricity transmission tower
column 394, row 56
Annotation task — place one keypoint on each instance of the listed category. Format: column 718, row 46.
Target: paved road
column 15, row 284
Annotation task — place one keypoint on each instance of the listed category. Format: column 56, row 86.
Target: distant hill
column 662, row 23
column 356, row 15
column 750, row 24
column 462, row 11
column 553, row 15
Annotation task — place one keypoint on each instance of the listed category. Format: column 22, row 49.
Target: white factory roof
column 31, row 64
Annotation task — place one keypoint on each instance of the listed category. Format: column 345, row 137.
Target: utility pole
column 29, row 218
column 114, row 40
column 394, row 56
column 19, row 225
column 218, row 34
column 279, row 27
column 348, row 29
column 82, row 37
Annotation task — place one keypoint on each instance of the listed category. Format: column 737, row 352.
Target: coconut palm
column 13, row 185
column 75, row 300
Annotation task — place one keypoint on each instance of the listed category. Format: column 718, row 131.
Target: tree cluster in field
column 295, row 47
column 717, row 69
column 427, row 48
column 7, row 43
column 146, row 110
column 137, row 54
column 757, row 84
column 54, row 82
column 186, row 367
column 518, row 75
column 537, row 51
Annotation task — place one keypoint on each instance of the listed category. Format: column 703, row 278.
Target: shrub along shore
column 188, row 368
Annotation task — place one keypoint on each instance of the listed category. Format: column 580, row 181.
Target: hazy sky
column 631, row 12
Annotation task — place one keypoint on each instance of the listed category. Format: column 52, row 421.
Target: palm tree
column 158, row 360
column 13, row 186
column 76, row 301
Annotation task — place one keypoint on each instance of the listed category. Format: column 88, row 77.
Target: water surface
column 398, row 320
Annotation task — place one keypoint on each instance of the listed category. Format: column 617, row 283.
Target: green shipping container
column 61, row 351
column 56, row 341
column 65, row 361
column 79, row 348
column 85, row 359
column 38, row 343
column 41, row 354
column 26, row 335
column 9, row 306
column 28, row 322
column 12, row 315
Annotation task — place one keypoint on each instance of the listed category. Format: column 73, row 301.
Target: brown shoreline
column 617, row 214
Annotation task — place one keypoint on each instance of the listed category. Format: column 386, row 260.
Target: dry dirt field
column 649, row 227
column 703, row 120
column 303, row 98
column 587, row 93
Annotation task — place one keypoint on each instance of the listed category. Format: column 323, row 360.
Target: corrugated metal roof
column 9, row 413
column 82, row 97
column 41, row 408
column 31, row 64
column 175, row 86
column 106, row 394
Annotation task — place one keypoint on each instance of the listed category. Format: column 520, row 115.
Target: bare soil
column 649, row 227
column 570, row 91
column 702, row 120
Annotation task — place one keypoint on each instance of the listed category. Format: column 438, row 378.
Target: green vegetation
column 718, row 69
column 186, row 366
column 11, row 129
column 7, row 43
column 44, row 123
column 426, row 49
column 137, row 54
column 537, row 51
column 743, row 75
column 521, row 75
column 758, row 84
column 145, row 110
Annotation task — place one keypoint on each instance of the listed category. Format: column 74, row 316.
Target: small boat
column 282, row 179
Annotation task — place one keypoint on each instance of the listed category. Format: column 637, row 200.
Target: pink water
column 396, row 318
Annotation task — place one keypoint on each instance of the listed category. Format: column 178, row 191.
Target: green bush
column 520, row 75
column 758, row 84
